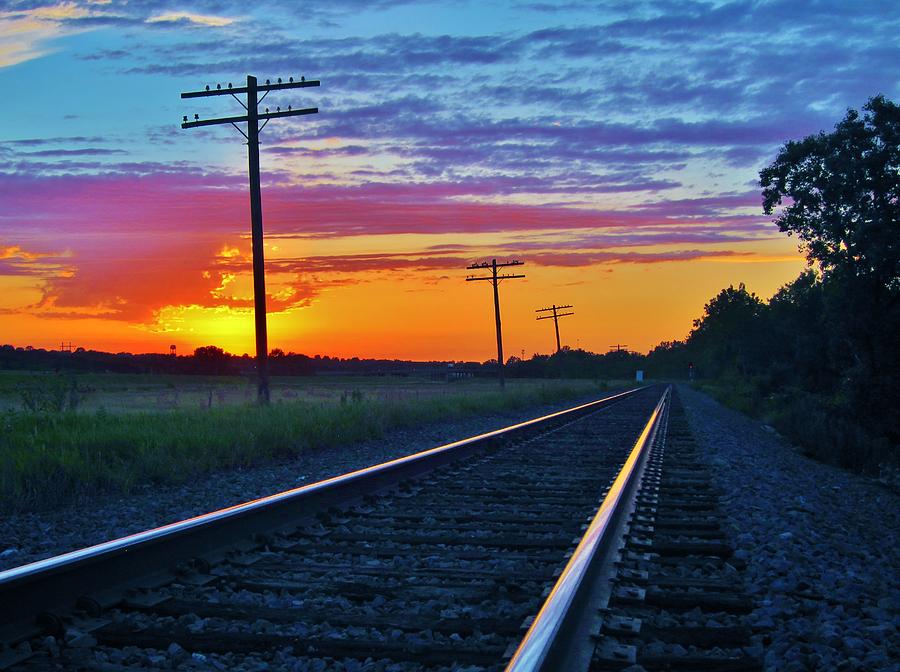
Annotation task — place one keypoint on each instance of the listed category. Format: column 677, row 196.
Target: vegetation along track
column 439, row 561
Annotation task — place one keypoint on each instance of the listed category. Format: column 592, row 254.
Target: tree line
column 211, row 360
column 821, row 358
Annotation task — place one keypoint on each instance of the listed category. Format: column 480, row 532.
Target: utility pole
column 252, row 119
column 495, row 280
column 555, row 317
column 618, row 348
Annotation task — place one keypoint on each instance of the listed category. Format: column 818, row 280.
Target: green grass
column 49, row 458
column 137, row 393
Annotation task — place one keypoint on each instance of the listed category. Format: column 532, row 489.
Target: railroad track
column 485, row 554
column 677, row 599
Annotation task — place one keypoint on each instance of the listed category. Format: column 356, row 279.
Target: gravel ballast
column 820, row 543
column 31, row 536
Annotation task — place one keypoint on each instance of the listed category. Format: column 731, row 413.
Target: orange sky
column 396, row 313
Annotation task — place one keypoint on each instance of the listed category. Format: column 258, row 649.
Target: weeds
column 48, row 457
column 355, row 397
column 818, row 425
column 52, row 395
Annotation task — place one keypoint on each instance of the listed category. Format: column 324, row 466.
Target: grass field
column 124, row 430
column 129, row 393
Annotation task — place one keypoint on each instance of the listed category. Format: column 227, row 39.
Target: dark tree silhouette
column 213, row 361
column 844, row 193
column 730, row 335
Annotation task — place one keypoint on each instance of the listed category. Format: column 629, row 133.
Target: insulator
column 291, row 80
column 279, row 80
column 207, row 87
column 218, row 87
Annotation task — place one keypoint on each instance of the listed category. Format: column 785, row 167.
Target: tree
column 730, row 335
column 844, row 194
column 839, row 193
column 669, row 359
column 212, row 360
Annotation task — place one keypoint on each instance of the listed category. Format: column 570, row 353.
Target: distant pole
column 495, row 281
column 556, row 326
column 497, row 321
column 555, row 317
column 618, row 347
column 252, row 119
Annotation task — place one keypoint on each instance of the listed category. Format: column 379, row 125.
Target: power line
column 495, row 281
column 252, row 119
column 555, row 317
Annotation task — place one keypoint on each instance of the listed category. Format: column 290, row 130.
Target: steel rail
column 549, row 645
column 50, row 583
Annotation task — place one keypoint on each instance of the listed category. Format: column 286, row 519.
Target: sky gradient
column 614, row 147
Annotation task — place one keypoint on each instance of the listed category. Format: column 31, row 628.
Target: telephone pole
column 618, row 348
column 252, row 119
column 555, row 317
column 495, row 281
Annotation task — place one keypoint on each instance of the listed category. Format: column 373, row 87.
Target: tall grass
column 48, row 458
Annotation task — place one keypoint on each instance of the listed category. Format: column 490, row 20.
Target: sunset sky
column 614, row 147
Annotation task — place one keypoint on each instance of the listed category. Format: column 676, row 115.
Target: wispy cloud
column 15, row 260
column 191, row 19
column 595, row 258
column 28, row 32
column 159, row 197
